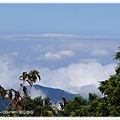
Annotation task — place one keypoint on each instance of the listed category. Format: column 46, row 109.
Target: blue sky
column 80, row 19
column 72, row 45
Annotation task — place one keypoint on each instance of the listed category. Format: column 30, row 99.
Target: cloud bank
column 77, row 76
column 33, row 92
column 58, row 55
column 80, row 78
column 100, row 52
column 53, row 36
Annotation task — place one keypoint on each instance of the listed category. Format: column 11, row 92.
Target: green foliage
column 117, row 55
column 73, row 106
column 111, row 90
column 47, row 101
column 30, row 77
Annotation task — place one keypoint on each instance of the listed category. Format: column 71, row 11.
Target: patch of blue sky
column 82, row 19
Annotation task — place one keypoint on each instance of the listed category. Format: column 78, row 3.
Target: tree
column 73, row 106
column 111, row 90
column 14, row 96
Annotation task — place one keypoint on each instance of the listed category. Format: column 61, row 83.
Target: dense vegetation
column 107, row 105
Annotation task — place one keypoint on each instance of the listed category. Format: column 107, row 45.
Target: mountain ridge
column 53, row 93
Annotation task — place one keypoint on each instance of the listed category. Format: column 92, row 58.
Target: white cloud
column 91, row 46
column 33, row 92
column 85, row 90
column 99, row 52
column 8, row 73
column 58, row 55
column 53, row 36
column 75, row 78
column 73, row 45
column 39, row 36
column 52, row 56
column 66, row 53
column 41, row 47
column 77, row 75
column 14, row 54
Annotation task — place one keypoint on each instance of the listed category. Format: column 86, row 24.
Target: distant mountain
column 3, row 104
column 52, row 93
